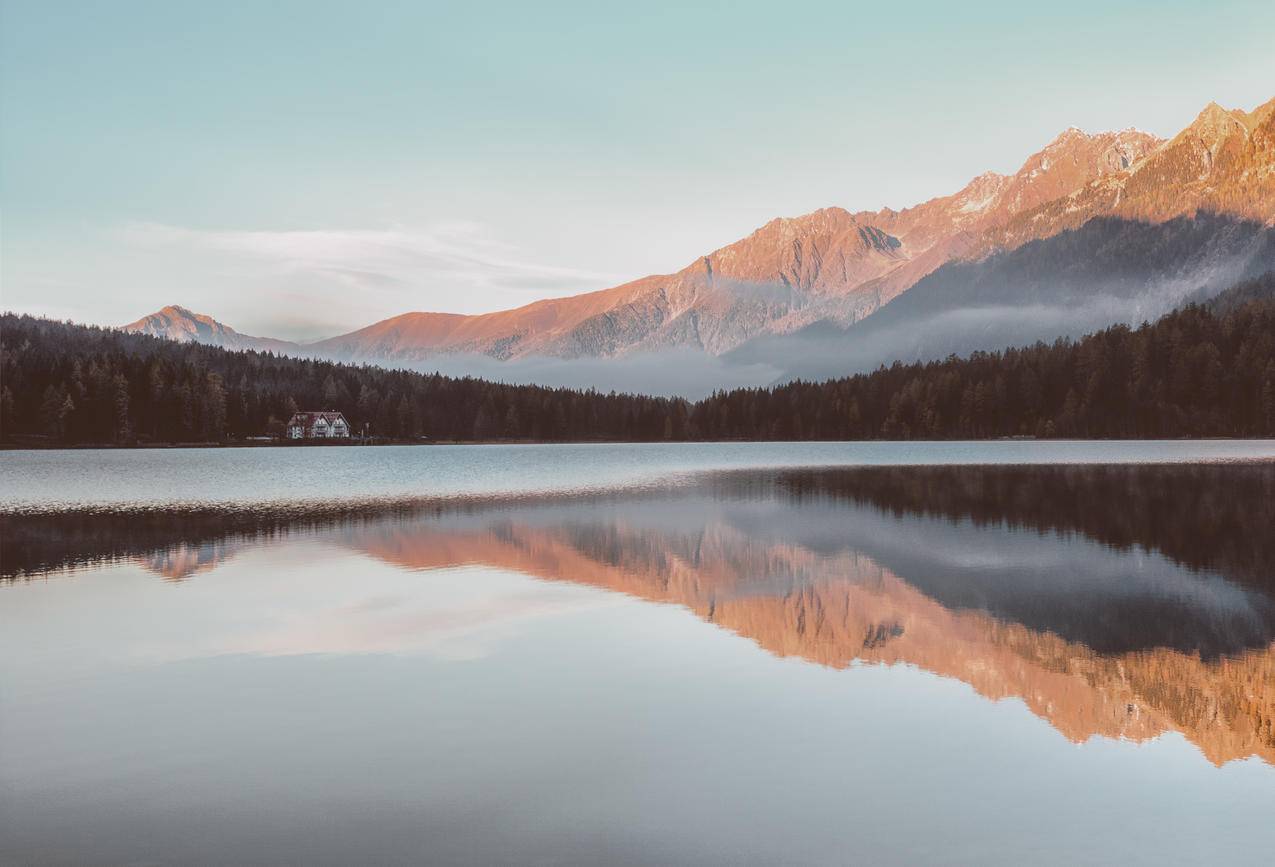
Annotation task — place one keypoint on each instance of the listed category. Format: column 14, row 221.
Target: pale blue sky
column 299, row 169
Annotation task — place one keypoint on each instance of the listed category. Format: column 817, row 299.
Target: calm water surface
column 939, row 653
column 304, row 476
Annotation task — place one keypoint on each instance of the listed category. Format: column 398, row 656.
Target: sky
column 301, row 169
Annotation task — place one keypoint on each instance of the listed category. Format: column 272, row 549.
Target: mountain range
column 1093, row 229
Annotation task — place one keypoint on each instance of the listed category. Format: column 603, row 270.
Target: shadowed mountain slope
column 1108, row 271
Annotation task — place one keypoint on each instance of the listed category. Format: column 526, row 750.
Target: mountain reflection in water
column 1120, row 601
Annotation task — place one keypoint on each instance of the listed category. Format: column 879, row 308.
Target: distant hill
column 178, row 323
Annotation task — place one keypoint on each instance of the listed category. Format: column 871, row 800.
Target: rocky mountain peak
column 1214, row 124
column 1073, row 159
column 175, row 322
column 1066, row 137
column 179, row 315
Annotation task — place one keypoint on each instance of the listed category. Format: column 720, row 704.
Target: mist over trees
column 1200, row 371
column 1071, row 284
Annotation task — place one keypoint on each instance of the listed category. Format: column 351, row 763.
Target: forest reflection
column 1122, row 601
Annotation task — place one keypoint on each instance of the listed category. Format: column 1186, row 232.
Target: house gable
column 323, row 424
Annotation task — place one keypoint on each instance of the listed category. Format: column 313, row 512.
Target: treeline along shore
column 1201, row 371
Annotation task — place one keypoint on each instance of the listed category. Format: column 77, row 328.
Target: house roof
column 310, row 419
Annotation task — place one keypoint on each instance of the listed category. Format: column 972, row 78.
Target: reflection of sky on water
column 290, row 478
column 303, row 597
column 497, row 685
column 589, row 722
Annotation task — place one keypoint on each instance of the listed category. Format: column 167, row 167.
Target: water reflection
column 1120, row 601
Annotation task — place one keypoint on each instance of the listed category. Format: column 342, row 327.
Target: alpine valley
column 1093, row 230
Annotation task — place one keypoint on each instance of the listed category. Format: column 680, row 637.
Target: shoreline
column 285, row 444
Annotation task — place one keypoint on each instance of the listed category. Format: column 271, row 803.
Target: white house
column 317, row 425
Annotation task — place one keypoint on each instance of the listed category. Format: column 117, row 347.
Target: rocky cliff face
column 1224, row 163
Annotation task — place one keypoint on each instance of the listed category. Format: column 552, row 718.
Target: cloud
column 425, row 619
column 453, row 266
column 456, row 252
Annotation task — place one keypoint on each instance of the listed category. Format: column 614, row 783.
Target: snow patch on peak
column 973, row 205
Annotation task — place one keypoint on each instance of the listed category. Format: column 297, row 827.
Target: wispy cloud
column 439, row 257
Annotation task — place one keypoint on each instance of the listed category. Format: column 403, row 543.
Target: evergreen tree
column 1200, row 371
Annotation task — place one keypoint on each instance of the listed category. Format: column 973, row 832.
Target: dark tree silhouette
column 1204, row 370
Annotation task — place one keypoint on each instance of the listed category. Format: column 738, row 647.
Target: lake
column 1051, row 652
